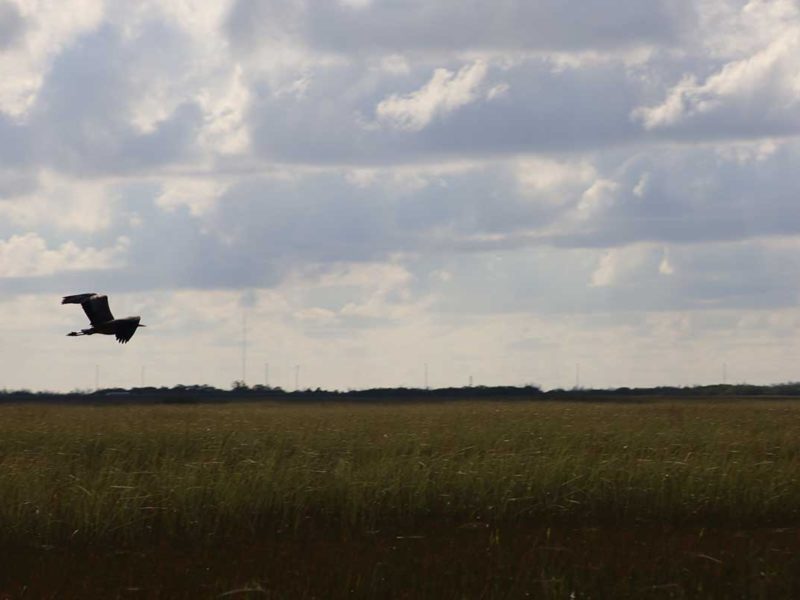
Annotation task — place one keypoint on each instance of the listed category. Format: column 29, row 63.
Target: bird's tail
column 76, row 299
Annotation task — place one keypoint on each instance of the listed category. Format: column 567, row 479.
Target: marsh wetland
column 667, row 499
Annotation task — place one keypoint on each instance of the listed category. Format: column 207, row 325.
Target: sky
column 548, row 192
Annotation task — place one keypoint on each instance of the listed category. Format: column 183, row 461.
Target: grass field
column 491, row 500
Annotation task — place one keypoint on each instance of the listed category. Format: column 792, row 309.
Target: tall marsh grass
column 122, row 473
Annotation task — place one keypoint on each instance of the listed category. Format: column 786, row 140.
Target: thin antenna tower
column 244, row 345
column 470, row 381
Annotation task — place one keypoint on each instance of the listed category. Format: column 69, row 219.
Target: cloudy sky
column 501, row 189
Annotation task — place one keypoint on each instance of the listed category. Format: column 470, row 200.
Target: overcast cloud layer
column 501, row 190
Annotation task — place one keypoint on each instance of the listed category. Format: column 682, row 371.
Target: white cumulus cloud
column 28, row 255
column 445, row 92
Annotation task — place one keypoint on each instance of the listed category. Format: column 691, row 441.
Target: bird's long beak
column 140, row 325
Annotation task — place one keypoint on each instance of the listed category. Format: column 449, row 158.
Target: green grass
column 479, row 480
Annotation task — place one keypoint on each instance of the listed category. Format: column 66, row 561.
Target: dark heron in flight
column 96, row 308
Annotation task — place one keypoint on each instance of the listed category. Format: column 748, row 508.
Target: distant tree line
column 190, row 394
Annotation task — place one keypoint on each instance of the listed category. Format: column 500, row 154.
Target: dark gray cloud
column 541, row 109
column 457, row 25
column 12, row 25
column 653, row 242
column 83, row 118
column 16, row 145
column 693, row 195
column 737, row 275
column 16, row 182
column 263, row 228
column 697, row 94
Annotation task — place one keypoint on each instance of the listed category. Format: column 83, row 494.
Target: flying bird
column 96, row 308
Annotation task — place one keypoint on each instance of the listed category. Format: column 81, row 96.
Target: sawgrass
column 202, row 475
column 99, row 472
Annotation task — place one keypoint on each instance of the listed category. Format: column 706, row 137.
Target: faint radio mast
column 244, row 345
column 470, row 381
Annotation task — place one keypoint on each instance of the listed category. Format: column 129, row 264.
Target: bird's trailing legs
column 81, row 332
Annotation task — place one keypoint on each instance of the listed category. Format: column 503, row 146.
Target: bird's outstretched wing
column 94, row 305
column 125, row 328
column 96, row 308
column 77, row 298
